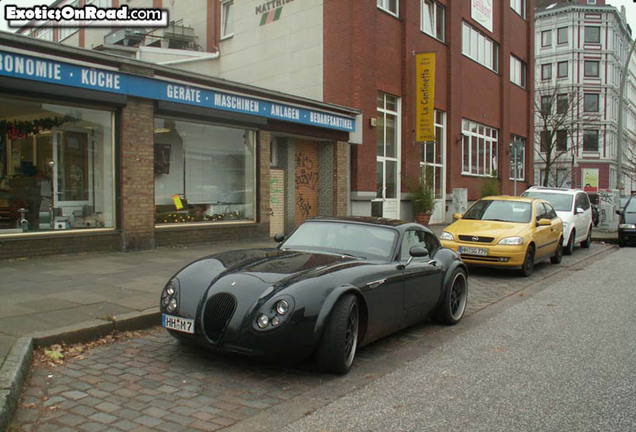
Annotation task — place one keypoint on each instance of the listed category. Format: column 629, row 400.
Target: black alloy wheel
column 528, row 262
column 570, row 246
column 558, row 253
column 337, row 348
column 452, row 308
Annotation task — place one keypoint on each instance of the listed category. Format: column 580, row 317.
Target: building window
column 57, row 169
column 546, row 71
column 562, row 103
column 519, row 6
column 433, row 19
column 561, row 140
column 203, row 172
column 518, row 166
column 517, row 71
column 479, row 149
column 591, row 102
column 562, row 35
column 591, row 68
column 227, row 17
column 432, row 156
column 388, row 144
column 43, row 33
column 480, row 48
column 390, row 6
column 546, row 105
column 562, row 69
column 592, row 34
column 65, row 31
column 590, row 141
column 546, row 38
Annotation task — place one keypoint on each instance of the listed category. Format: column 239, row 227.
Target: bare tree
column 558, row 119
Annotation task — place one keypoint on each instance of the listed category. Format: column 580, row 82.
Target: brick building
column 581, row 50
column 101, row 152
column 363, row 54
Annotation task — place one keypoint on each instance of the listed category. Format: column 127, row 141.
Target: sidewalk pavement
column 75, row 298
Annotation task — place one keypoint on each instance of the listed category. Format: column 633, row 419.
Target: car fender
column 453, row 265
column 329, row 303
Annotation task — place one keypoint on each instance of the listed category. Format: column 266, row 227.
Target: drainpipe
column 191, row 60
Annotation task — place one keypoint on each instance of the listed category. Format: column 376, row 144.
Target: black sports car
column 627, row 222
column 334, row 284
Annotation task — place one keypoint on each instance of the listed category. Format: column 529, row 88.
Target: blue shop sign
column 43, row 70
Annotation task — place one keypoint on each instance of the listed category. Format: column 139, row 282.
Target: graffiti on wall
column 306, row 180
column 306, row 175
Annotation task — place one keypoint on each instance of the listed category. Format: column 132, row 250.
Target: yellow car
column 507, row 231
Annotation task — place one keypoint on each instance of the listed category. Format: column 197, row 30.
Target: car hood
column 485, row 228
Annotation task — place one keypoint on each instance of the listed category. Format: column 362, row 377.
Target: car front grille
column 476, row 239
column 480, row 258
column 218, row 313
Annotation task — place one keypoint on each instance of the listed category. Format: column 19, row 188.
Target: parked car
column 333, row 285
column 508, row 232
column 627, row 222
column 575, row 210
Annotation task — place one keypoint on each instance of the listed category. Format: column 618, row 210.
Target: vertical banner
column 590, row 179
column 481, row 12
column 425, row 97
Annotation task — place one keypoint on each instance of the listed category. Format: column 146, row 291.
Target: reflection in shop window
column 56, row 167
column 203, row 172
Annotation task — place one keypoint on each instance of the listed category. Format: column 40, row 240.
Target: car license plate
column 469, row 250
column 176, row 323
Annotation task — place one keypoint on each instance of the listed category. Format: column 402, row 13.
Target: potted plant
column 423, row 199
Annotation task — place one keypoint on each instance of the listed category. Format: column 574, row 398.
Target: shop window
column 227, row 17
column 56, row 168
column 203, row 172
column 479, row 149
column 433, row 19
column 387, row 157
column 433, row 155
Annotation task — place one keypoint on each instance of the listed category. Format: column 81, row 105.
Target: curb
column 12, row 375
column 16, row 366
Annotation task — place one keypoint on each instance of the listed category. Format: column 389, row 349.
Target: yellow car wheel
column 528, row 262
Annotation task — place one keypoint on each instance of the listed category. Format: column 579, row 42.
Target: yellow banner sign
column 425, row 97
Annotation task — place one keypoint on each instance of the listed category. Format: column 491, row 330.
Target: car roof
column 554, row 190
column 511, row 198
column 398, row 224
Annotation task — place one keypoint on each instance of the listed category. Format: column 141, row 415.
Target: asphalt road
column 562, row 358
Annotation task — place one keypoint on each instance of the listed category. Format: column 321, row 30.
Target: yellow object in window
column 177, row 201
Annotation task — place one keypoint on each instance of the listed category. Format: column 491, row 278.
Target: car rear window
column 561, row 202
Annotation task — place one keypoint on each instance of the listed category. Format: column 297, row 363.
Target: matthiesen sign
column 36, row 69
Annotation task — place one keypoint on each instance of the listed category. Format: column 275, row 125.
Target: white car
column 574, row 208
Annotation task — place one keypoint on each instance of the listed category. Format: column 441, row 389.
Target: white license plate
column 469, row 250
column 177, row 323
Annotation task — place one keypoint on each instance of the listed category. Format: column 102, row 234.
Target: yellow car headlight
column 446, row 236
column 511, row 241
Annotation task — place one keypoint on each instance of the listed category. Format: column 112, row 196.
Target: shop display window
column 56, row 167
column 203, row 173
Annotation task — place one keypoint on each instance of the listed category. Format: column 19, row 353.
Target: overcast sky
column 629, row 5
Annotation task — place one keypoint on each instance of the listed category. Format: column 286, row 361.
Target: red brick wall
column 137, row 180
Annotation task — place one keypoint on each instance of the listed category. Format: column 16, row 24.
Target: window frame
column 592, row 62
column 519, row 7
column 559, row 64
column 384, row 5
column 546, row 38
column 518, row 66
column 596, row 39
column 489, row 138
column 562, row 103
column 424, row 4
column 567, row 34
column 547, row 67
column 226, row 4
column 594, row 133
column 521, row 173
column 479, row 47
column 597, row 97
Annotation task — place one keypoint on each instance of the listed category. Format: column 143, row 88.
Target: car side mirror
column 418, row 251
column 544, row 222
column 579, row 210
column 278, row 238
column 457, row 216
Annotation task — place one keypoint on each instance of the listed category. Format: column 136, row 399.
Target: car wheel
column 558, row 254
column 588, row 240
column 569, row 248
column 621, row 243
column 337, row 348
column 528, row 262
column 453, row 306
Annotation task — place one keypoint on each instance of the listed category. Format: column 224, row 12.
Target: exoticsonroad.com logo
column 85, row 16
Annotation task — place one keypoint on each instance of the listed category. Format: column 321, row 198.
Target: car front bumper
column 497, row 255
column 627, row 235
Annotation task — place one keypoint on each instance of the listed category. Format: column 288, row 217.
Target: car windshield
column 560, row 202
column 500, row 210
column 360, row 240
column 631, row 206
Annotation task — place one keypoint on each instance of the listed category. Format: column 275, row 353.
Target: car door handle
column 432, row 262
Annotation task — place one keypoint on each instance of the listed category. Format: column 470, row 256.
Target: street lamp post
column 621, row 103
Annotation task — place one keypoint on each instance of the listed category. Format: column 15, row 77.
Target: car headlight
column 511, row 241
column 627, row 226
column 446, row 236
column 170, row 296
column 274, row 313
